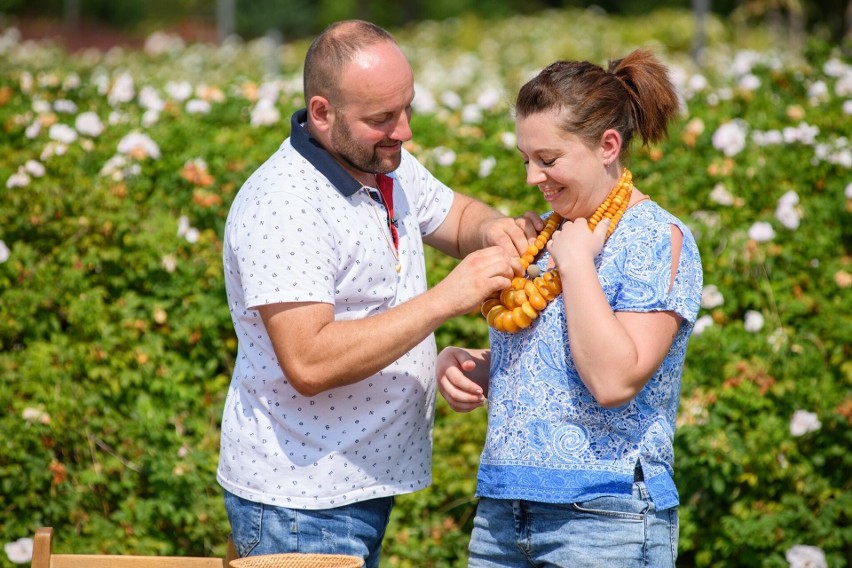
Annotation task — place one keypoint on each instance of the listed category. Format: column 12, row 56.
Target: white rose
column 804, row 422
column 711, row 297
column 804, row 556
column 701, row 324
column 761, row 232
column 730, row 137
column 753, row 321
column 20, row 551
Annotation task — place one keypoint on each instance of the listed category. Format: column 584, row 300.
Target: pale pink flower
column 34, row 168
column 62, row 133
column 65, row 106
column 486, row 166
column 179, row 90
column 509, row 140
column 149, row 99
column 161, row 43
column 19, row 551
column 424, row 101
column 197, row 106
column 169, row 263
column 804, row 422
column 185, row 230
column 702, row 324
column 721, row 195
column 761, row 232
column 451, row 99
column 489, row 98
column 5, row 253
column 818, row 92
column 89, row 124
column 749, row 82
column 122, row 91
column 753, row 321
column 265, row 113
column 806, row 556
column 18, row 179
column 471, row 114
column 31, row 414
column 444, row 156
column 787, row 211
column 711, row 297
column 730, row 137
column 138, row 145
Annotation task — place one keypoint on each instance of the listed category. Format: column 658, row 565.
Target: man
column 330, row 410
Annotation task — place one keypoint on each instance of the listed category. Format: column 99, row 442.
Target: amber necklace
column 382, row 229
column 517, row 306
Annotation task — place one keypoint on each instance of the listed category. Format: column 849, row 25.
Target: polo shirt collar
column 319, row 157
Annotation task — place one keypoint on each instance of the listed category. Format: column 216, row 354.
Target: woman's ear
column 610, row 146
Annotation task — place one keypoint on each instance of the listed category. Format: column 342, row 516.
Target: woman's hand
column 575, row 242
column 463, row 377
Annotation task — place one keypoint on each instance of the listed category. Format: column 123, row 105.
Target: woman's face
column 571, row 175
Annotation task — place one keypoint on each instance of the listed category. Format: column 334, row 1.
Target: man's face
column 369, row 117
column 372, row 145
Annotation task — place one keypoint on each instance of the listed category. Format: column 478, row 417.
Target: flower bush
column 116, row 346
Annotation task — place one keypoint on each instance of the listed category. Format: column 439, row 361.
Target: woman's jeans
column 356, row 529
column 607, row 532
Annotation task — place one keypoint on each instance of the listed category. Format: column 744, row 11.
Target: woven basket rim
column 298, row 560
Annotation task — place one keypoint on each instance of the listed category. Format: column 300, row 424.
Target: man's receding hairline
column 340, row 43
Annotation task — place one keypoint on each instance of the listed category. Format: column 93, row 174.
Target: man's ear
column 320, row 113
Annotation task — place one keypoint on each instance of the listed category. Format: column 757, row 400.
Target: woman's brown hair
column 633, row 96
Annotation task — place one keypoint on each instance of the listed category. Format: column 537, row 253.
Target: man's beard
column 359, row 156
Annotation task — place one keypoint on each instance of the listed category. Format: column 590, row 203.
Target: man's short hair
column 332, row 50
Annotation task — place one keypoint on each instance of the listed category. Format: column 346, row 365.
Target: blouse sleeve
column 640, row 278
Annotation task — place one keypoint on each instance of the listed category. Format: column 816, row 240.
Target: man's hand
column 513, row 235
column 476, row 277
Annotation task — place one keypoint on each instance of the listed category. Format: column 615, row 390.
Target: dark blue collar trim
column 319, row 157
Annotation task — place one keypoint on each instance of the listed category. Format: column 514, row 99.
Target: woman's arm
column 614, row 353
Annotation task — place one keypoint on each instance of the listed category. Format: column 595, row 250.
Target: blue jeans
column 607, row 532
column 356, row 529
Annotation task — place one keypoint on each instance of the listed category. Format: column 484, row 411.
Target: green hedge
column 116, row 345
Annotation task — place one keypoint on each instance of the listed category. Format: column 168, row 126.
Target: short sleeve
column 431, row 198
column 638, row 277
column 284, row 251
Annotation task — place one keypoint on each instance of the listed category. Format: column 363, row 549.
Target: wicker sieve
column 297, row 560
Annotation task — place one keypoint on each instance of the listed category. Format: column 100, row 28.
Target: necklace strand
column 394, row 252
column 517, row 306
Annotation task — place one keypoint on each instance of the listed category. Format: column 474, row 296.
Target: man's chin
column 390, row 163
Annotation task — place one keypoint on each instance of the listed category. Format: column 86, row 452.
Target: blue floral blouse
column 548, row 439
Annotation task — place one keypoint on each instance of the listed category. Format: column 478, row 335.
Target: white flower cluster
column 730, row 137
column 804, row 422
column 806, row 556
column 19, row 551
column 711, row 297
column 24, row 174
column 187, row 231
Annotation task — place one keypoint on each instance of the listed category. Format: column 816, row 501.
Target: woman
column 584, row 384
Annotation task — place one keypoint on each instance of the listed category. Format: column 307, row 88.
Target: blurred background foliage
column 292, row 19
column 116, row 346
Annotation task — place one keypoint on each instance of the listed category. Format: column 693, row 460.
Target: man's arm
column 471, row 225
column 318, row 353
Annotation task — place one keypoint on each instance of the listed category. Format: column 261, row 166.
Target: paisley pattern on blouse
column 548, row 439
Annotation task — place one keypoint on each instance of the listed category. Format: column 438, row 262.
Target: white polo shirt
column 301, row 229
